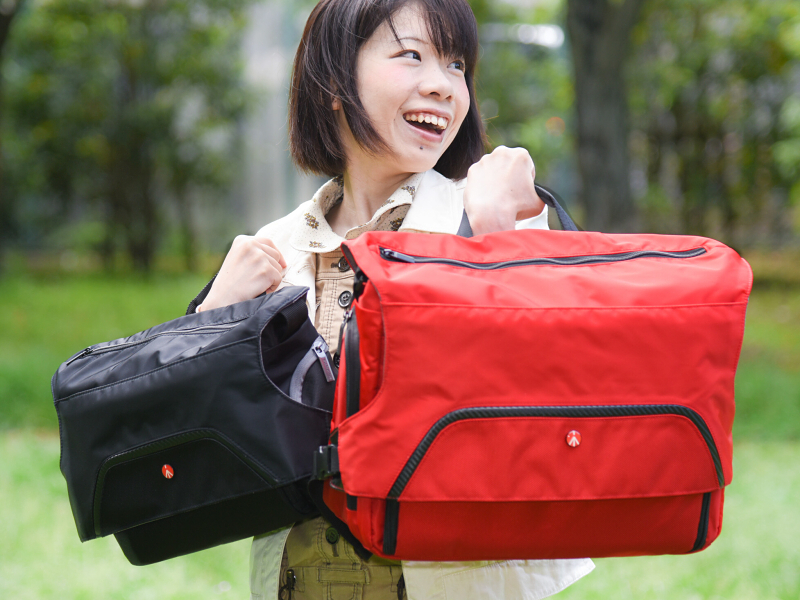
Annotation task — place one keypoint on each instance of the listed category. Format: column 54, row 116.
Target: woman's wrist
column 491, row 221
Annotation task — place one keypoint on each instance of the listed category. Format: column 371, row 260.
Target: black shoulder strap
column 548, row 197
column 200, row 297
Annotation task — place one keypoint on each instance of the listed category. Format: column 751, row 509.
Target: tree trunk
column 599, row 33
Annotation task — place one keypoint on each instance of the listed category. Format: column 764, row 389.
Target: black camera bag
column 199, row 431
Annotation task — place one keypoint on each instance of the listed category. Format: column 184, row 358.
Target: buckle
column 326, row 462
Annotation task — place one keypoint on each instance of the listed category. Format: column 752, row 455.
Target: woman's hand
column 500, row 190
column 253, row 266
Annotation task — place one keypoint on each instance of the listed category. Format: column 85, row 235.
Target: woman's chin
column 418, row 160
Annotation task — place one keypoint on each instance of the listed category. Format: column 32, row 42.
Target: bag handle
column 465, row 229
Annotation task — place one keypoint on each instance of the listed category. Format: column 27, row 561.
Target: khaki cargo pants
column 318, row 564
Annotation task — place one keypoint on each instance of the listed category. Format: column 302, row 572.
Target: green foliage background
column 115, row 114
column 122, row 120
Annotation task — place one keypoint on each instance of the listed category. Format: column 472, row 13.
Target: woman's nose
column 435, row 81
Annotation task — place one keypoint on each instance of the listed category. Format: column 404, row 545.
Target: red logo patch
column 574, row 439
column 167, row 471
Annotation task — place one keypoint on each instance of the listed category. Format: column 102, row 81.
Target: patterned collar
column 315, row 235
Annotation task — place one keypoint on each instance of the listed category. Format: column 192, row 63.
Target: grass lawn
column 44, row 320
column 41, row 557
column 756, row 557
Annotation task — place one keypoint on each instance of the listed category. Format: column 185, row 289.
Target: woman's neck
column 365, row 191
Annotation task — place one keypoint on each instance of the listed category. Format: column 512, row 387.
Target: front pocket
column 562, row 453
column 554, row 454
column 468, row 531
column 170, row 476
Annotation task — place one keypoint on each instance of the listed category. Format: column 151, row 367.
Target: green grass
column 43, row 321
column 757, row 556
column 41, row 557
column 768, row 378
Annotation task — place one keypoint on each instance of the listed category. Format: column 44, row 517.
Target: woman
column 383, row 101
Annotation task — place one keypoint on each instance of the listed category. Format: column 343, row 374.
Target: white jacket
column 437, row 208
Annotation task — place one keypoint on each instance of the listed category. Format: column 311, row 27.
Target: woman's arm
column 500, row 190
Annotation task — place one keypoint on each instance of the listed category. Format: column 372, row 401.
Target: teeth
column 438, row 122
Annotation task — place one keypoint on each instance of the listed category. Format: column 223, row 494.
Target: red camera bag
column 536, row 394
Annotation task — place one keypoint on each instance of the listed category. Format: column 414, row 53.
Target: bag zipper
column 317, row 353
column 702, row 528
column 488, row 412
column 589, row 259
column 191, row 331
column 320, row 349
column 626, row 410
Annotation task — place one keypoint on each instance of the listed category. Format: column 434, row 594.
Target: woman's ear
column 336, row 104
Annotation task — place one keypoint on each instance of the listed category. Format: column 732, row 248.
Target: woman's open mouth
column 426, row 122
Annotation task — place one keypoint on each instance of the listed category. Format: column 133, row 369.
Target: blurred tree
column 115, row 107
column 540, row 97
column 525, row 88
column 600, row 34
column 8, row 10
column 716, row 118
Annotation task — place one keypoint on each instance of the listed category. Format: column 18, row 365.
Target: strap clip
column 326, row 462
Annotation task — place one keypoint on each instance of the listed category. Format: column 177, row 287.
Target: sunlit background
column 138, row 137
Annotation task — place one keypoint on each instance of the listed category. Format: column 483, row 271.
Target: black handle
column 465, row 229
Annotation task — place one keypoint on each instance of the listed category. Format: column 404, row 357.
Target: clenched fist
column 253, row 265
column 500, row 190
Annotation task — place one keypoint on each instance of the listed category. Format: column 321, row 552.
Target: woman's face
column 415, row 98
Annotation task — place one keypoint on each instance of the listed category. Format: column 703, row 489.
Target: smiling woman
column 383, row 101
column 399, row 43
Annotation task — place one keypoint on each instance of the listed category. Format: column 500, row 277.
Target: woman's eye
column 459, row 64
column 411, row 54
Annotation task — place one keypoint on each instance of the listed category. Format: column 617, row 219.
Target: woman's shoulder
column 280, row 231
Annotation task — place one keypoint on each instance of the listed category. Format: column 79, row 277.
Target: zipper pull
column 345, row 320
column 319, row 350
column 80, row 354
column 398, row 256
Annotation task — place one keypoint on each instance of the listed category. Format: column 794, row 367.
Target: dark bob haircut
column 325, row 68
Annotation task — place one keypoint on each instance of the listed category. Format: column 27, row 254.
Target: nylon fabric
column 659, row 356
column 131, row 407
column 634, row 330
column 537, row 449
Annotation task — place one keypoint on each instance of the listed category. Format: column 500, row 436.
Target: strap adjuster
column 326, row 462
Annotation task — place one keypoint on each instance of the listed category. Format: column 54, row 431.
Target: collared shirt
column 334, row 278
column 316, row 235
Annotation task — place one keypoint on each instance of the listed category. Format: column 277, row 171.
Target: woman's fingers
column 252, row 266
column 500, row 190
column 273, row 273
column 271, row 249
